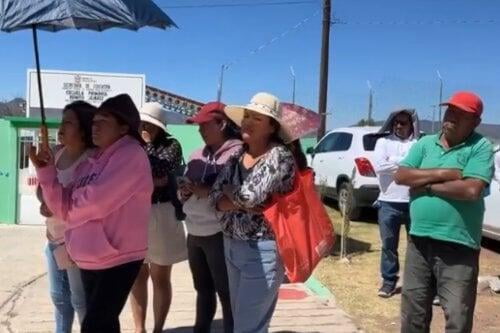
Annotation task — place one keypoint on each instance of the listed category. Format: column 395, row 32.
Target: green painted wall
column 8, row 172
column 8, row 163
column 190, row 139
column 187, row 135
column 308, row 142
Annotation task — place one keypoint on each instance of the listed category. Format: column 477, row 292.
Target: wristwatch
column 428, row 190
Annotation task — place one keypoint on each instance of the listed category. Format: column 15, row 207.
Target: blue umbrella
column 98, row 15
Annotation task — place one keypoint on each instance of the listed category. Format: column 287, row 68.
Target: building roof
column 31, row 122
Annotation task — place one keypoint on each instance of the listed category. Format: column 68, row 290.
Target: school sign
column 63, row 87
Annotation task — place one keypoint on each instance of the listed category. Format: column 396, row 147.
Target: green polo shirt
column 446, row 219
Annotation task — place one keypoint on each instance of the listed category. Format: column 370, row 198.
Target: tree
column 364, row 122
column 15, row 107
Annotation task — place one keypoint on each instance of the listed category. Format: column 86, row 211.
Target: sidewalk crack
column 12, row 301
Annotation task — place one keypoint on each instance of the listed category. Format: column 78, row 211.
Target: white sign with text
column 63, row 87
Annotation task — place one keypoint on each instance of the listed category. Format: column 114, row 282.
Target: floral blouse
column 165, row 159
column 273, row 174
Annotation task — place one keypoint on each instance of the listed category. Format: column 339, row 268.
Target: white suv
column 491, row 224
column 344, row 157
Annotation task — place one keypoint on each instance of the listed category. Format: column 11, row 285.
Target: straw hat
column 262, row 103
column 153, row 113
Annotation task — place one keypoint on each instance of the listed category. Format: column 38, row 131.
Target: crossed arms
column 446, row 183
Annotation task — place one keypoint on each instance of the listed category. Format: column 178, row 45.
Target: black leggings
column 106, row 292
column 208, row 266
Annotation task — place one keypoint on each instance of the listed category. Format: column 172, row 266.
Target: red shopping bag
column 303, row 229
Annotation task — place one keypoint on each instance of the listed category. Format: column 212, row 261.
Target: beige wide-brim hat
column 262, row 103
column 153, row 113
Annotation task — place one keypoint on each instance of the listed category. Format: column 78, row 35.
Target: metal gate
column 28, row 206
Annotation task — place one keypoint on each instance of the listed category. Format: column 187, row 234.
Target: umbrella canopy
column 55, row 15
column 299, row 121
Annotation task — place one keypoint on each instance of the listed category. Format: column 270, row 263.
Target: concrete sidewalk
column 25, row 304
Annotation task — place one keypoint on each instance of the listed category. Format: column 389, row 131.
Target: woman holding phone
column 205, row 241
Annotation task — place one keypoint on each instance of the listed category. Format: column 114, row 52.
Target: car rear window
column 370, row 140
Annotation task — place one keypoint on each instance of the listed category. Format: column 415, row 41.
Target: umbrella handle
column 38, row 75
column 44, row 133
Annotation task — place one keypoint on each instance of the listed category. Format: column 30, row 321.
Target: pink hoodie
column 106, row 208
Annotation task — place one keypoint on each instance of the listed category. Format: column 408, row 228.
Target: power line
column 225, row 67
column 244, row 4
column 273, row 40
column 415, row 22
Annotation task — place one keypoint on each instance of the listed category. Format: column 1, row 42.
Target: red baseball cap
column 466, row 101
column 208, row 112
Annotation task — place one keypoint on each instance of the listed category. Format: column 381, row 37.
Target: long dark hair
column 295, row 146
column 85, row 114
column 231, row 131
column 163, row 138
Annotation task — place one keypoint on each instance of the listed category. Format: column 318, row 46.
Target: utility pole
column 221, row 79
column 323, row 78
column 293, row 84
column 433, row 119
column 370, row 103
column 440, row 97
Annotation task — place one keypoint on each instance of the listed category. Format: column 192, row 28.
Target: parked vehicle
column 491, row 224
column 343, row 158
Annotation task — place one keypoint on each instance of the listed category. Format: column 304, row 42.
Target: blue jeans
column 391, row 215
column 255, row 274
column 66, row 290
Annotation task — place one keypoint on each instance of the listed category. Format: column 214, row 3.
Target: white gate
column 28, row 206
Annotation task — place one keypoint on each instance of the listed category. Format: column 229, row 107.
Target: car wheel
column 345, row 196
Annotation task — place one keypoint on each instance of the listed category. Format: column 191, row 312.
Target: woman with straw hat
column 265, row 167
column 166, row 236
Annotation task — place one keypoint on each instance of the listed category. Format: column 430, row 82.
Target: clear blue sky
column 399, row 57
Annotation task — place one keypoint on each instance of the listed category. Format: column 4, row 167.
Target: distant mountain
column 491, row 131
column 15, row 107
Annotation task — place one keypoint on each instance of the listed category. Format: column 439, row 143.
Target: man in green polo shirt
column 447, row 174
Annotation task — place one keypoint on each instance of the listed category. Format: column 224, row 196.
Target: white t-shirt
column 497, row 166
column 55, row 226
column 389, row 152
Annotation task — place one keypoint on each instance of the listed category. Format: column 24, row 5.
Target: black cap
column 122, row 107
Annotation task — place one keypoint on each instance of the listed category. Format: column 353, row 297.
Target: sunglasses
column 401, row 122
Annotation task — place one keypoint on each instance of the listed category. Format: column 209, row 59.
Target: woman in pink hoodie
column 106, row 210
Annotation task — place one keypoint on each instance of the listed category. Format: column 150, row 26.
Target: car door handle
column 340, row 158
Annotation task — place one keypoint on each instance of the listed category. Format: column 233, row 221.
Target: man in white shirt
column 393, row 201
column 497, row 165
